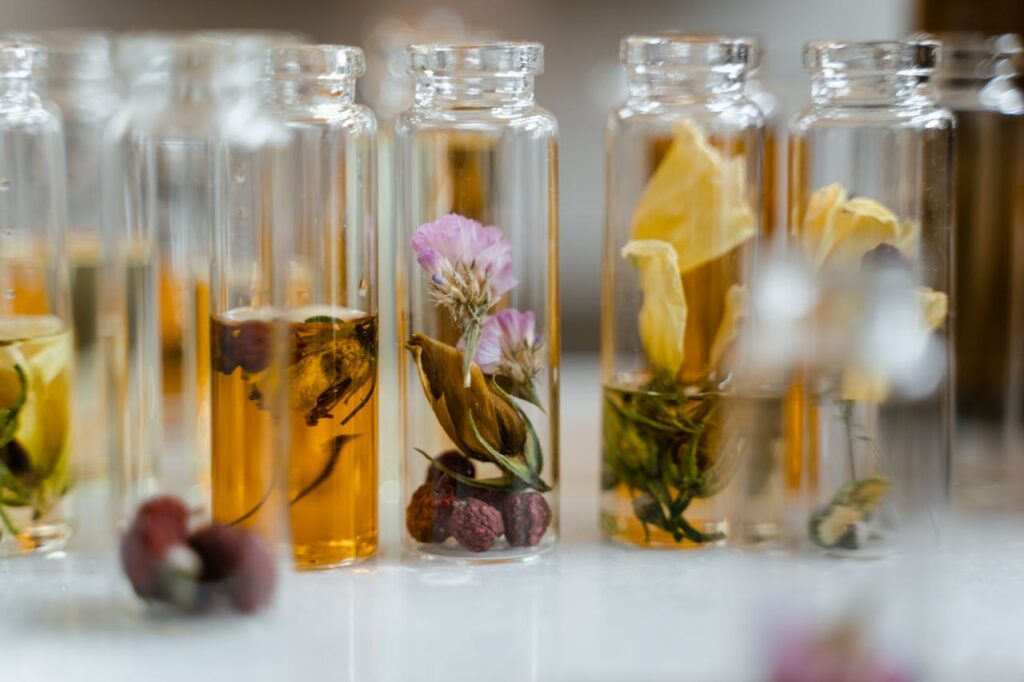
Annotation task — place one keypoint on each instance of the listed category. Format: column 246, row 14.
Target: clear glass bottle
column 477, row 259
column 332, row 310
column 684, row 158
column 253, row 194
column 160, row 205
column 35, row 313
column 976, row 80
column 79, row 79
column 871, row 199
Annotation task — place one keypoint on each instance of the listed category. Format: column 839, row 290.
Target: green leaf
column 518, row 469
column 532, row 450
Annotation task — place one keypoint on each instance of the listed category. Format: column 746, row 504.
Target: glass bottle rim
column 81, row 54
column 20, row 58
column 917, row 57
column 676, row 51
column 315, row 62
column 476, row 58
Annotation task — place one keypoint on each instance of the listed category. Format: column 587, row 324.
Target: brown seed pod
column 527, row 516
column 476, row 525
column 429, row 512
column 452, row 460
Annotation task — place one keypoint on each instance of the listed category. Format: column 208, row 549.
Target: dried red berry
column 495, row 498
column 429, row 512
column 476, row 525
column 453, row 461
column 160, row 525
column 236, row 564
column 526, row 516
column 253, row 346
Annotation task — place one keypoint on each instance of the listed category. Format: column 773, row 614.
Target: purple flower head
column 468, row 268
column 454, row 251
column 510, row 347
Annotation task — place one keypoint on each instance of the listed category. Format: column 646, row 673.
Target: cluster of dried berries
column 475, row 517
column 245, row 345
column 214, row 565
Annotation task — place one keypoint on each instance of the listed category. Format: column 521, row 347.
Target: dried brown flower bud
column 452, row 460
column 476, row 525
column 429, row 512
column 245, row 344
column 526, row 516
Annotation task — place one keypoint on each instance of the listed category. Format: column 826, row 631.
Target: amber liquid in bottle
column 332, row 413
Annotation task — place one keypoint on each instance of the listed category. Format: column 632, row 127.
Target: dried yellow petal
column 729, row 327
column 934, row 307
column 858, row 226
column 820, row 209
column 663, row 313
column 695, row 201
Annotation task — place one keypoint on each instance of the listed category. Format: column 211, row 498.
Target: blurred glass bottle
column 871, row 192
column 35, row 313
column 160, row 206
column 684, row 156
column 977, row 81
column 253, row 189
column 79, row 78
column 772, row 211
column 477, row 263
column 332, row 306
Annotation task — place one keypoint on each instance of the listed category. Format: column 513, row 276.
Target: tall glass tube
column 684, row 157
column 331, row 308
column 477, row 267
column 79, row 79
column 870, row 199
column 250, row 276
column 35, row 313
column 977, row 81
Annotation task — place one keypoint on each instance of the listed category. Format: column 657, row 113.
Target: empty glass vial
column 331, row 308
column 160, row 205
column 684, row 156
column 870, row 200
column 35, row 314
column 79, row 79
column 977, row 81
column 477, row 209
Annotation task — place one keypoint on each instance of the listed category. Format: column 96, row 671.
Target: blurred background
column 582, row 78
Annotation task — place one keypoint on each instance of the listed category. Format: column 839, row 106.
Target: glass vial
column 977, row 81
column 477, row 212
column 870, row 168
column 331, row 309
column 35, row 313
column 79, row 79
column 253, row 232
column 684, row 160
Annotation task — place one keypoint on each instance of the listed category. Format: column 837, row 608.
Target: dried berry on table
column 155, row 556
column 476, row 525
column 429, row 512
column 526, row 517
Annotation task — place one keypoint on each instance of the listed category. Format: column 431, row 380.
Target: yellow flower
column 729, row 327
column 695, row 201
column 663, row 313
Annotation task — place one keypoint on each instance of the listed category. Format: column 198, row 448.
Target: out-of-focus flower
column 510, row 348
column 836, row 654
column 663, row 313
column 469, row 268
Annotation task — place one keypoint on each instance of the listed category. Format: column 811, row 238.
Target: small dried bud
column 236, row 564
column 246, row 345
column 527, row 516
column 885, row 257
column 429, row 512
column 149, row 549
column 476, row 525
column 453, row 461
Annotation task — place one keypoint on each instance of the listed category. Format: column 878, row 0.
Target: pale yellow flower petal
column 729, row 327
column 934, row 307
column 858, row 226
column 820, row 209
column 663, row 313
column 696, row 201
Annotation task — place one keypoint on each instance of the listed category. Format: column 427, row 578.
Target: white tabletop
column 586, row 612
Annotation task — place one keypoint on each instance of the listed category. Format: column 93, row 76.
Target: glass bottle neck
column 17, row 89
column 684, row 85
column 474, row 92
column 870, row 90
column 302, row 93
